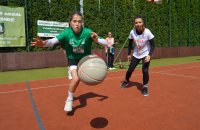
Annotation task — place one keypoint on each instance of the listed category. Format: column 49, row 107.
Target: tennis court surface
column 173, row 102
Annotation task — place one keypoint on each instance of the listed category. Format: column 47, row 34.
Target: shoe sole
column 124, row 86
column 68, row 110
column 145, row 94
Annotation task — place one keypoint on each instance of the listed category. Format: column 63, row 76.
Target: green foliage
column 174, row 22
column 182, row 12
column 194, row 23
column 174, row 26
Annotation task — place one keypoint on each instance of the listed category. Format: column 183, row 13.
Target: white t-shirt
column 110, row 41
column 141, row 42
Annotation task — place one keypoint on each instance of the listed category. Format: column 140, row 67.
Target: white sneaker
column 68, row 106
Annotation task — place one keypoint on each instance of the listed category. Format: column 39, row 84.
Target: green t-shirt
column 76, row 45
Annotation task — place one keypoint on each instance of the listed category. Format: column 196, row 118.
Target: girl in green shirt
column 77, row 42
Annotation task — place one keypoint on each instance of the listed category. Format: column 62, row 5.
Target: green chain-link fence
column 170, row 26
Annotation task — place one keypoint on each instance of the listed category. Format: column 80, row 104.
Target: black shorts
column 72, row 62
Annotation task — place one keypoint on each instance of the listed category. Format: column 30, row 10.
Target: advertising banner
column 12, row 27
column 50, row 28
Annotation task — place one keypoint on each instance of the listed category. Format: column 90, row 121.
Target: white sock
column 69, row 71
column 70, row 96
column 145, row 86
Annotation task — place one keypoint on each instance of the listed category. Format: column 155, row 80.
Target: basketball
column 92, row 69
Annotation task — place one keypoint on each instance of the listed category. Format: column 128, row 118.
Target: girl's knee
column 76, row 79
column 145, row 71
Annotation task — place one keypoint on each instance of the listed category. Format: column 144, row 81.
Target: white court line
column 110, row 71
column 22, row 90
column 37, row 80
column 178, row 75
column 52, row 86
column 61, row 85
column 191, row 67
column 159, row 72
column 163, row 72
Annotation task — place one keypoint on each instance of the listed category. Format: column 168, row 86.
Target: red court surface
column 173, row 102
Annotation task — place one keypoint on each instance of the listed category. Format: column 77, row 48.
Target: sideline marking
column 158, row 72
column 177, row 75
column 34, row 107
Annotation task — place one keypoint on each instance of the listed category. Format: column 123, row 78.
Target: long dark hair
column 72, row 15
column 139, row 16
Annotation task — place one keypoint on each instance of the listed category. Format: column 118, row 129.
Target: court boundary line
column 22, row 90
column 110, row 71
column 177, row 75
column 159, row 72
column 39, row 121
column 178, row 69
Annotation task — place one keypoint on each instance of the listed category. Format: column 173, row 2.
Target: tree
column 194, row 23
column 182, row 13
column 174, row 22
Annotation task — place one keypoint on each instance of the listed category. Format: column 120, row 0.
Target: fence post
column 115, row 34
column 169, row 13
column 27, row 30
column 188, row 39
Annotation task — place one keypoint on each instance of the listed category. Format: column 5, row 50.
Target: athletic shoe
column 145, row 91
column 124, row 84
column 68, row 105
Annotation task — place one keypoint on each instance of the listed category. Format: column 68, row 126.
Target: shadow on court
column 134, row 84
column 99, row 122
column 83, row 100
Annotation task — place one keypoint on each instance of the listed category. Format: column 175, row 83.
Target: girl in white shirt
column 110, row 51
column 143, row 41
